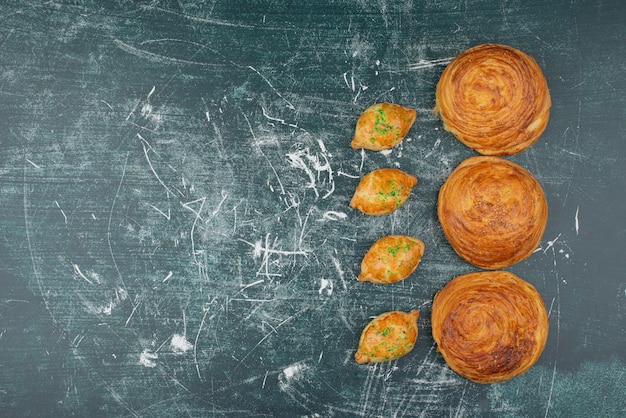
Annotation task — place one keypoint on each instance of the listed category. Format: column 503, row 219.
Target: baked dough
column 382, row 191
column 489, row 326
column 494, row 99
column 382, row 126
column 492, row 211
column 389, row 336
column 391, row 259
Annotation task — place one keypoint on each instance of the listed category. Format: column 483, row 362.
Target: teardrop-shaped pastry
column 387, row 337
column 489, row 326
column 494, row 99
column 391, row 259
column 382, row 126
column 382, row 191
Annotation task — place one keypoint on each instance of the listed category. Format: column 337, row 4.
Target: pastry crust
column 492, row 211
column 489, row 326
column 382, row 191
column 391, row 259
column 387, row 337
column 382, row 126
column 494, row 99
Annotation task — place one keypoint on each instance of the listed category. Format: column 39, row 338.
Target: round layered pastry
column 494, row 99
column 492, row 211
column 489, row 326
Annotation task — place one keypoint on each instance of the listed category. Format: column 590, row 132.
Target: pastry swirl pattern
column 489, row 326
column 492, row 211
column 494, row 99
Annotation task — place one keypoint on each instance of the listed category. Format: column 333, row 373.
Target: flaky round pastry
column 494, row 99
column 489, row 326
column 492, row 211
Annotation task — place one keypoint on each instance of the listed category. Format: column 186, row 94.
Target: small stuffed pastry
column 382, row 126
column 492, row 211
column 382, row 191
column 391, row 259
column 489, row 326
column 494, row 99
column 387, row 337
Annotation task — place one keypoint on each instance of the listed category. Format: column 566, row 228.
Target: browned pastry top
column 492, row 211
column 489, row 326
column 494, row 99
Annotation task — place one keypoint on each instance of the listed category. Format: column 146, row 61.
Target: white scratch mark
column 265, row 379
column 429, row 63
column 343, row 173
column 32, row 163
column 62, row 212
column 256, row 141
column 281, row 121
column 219, row 205
column 169, row 275
column 332, row 215
column 195, row 344
column 147, row 359
column 576, row 219
column 326, row 285
column 244, row 287
column 108, row 105
column 146, row 145
column 80, row 273
column 289, row 105
column 179, row 344
column 340, row 271
column 132, row 313
column 551, row 243
column 266, row 251
column 195, row 221
column 166, row 215
column 302, row 158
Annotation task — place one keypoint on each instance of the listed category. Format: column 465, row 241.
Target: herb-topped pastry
column 387, row 337
column 382, row 191
column 391, row 259
column 382, row 126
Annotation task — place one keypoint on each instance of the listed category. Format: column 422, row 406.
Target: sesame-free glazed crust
column 494, row 99
column 489, row 326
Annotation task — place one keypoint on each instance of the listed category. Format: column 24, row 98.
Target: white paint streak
column 551, row 243
column 62, row 212
column 147, row 359
column 332, row 215
column 576, row 219
column 291, row 374
column 80, row 273
column 179, row 344
column 326, row 285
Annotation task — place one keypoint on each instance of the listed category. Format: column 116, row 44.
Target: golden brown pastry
column 382, row 191
column 489, row 326
column 492, row 211
column 494, row 99
column 389, row 336
column 382, row 126
column 391, row 259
